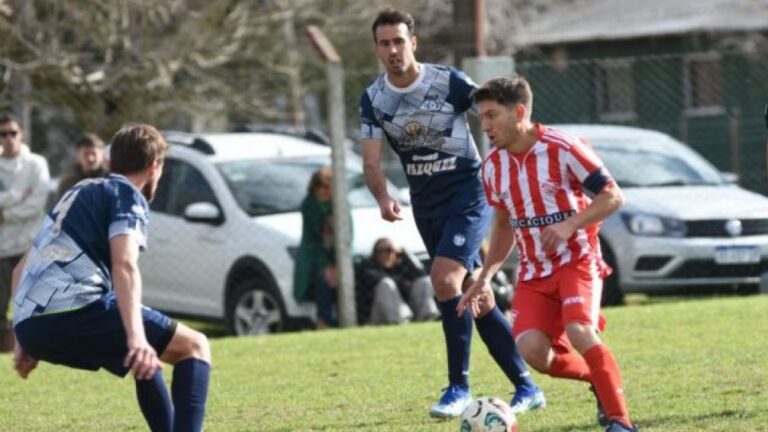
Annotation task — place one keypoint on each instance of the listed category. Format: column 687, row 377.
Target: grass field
column 696, row 365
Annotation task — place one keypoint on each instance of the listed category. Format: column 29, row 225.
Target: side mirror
column 730, row 178
column 203, row 212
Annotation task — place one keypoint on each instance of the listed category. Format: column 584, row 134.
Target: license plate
column 737, row 255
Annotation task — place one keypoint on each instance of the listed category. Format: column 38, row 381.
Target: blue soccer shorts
column 90, row 338
column 456, row 236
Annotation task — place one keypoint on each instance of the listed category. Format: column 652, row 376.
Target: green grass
column 696, row 365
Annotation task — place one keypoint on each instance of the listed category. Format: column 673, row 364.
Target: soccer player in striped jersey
column 421, row 110
column 78, row 290
column 535, row 177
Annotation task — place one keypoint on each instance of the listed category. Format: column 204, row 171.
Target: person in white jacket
column 23, row 194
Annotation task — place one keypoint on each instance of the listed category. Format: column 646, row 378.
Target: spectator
column 314, row 276
column 23, row 193
column 385, row 279
column 90, row 162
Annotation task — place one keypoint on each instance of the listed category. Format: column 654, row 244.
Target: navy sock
column 190, row 391
column 458, row 336
column 496, row 332
column 155, row 403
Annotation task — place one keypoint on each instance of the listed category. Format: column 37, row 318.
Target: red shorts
column 570, row 295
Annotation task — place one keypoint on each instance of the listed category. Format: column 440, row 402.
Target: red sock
column 569, row 365
column 607, row 382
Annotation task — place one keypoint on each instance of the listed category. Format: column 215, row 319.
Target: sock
column 496, row 332
column 155, row 403
column 607, row 382
column 190, row 391
column 458, row 336
column 570, row 365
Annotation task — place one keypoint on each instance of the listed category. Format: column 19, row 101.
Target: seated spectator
column 90, row 162
column 393, row 288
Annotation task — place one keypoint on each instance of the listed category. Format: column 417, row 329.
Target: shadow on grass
column 666, row 420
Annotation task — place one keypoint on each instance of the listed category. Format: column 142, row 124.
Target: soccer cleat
column 453, row 402
column 615, row 426
column 527, row 399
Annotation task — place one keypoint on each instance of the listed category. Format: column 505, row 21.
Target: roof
column 235, row 146
column 590, row 20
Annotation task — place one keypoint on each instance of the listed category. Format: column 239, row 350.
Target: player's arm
column 141, row 358
column 501, row 243
column 22, row 362
column 605, row 203
column 377, row 182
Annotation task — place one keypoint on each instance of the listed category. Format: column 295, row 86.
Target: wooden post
column 341, row 222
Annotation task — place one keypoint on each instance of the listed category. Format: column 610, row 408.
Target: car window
column 181, row 185
column 263, row 187
column 633, row 164
column 160, row 202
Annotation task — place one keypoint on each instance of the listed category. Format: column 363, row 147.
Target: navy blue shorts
column 457, row 236
column 90, row 338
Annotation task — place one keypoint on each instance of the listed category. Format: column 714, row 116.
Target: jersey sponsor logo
column 573, row 300
column 429, row 168
column 459, row 240
column 541, row 221
column 431, row 103
column 429, row 157
column 414, row 130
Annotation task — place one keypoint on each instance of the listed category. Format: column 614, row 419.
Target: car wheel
column 253, row 309
column 612, row 293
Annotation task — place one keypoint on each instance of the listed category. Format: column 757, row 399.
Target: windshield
column 634, row 165
column 268, row 186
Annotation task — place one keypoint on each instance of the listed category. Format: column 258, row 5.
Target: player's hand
column 390, row 209
column 142, row 359
column 23, row 362
column 477, row 298
column 554, row 235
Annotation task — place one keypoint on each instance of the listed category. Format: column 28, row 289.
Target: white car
column 684, row 223
column 225, row 227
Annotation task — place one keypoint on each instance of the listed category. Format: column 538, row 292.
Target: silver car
column 684, row 224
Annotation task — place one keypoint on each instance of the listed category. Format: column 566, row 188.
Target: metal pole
column 341, row 222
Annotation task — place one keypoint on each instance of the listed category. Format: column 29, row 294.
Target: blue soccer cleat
column 527, row 399
column 615, row 426
column 453, row 402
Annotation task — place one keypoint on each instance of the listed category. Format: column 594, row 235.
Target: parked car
column 225, row 228
column 684, row 223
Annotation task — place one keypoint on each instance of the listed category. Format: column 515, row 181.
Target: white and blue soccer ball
column 488, row 414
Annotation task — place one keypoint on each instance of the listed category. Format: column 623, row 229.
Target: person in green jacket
column 314, row 276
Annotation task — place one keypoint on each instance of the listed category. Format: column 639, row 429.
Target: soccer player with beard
column 534, row 177
column 77, row 292
column 421, row 110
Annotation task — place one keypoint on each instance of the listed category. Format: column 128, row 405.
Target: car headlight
column 652, row 225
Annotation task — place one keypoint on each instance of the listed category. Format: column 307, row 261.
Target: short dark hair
column 134, row 147
column 506, row 90
column 392, row 16
column 8, row 118
column 89, row 140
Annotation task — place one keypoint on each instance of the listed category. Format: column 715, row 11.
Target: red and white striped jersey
column 542, row 187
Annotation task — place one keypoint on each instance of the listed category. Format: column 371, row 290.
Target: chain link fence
column 712, row 101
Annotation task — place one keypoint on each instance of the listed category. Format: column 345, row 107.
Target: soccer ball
column 488, row 414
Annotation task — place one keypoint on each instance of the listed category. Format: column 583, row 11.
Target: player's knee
column 582, row 336
column 446, row 285
column 536, row 350
column 201, row 348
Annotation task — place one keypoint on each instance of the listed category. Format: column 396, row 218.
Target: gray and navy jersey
column 426, row 125
column 69, row 264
